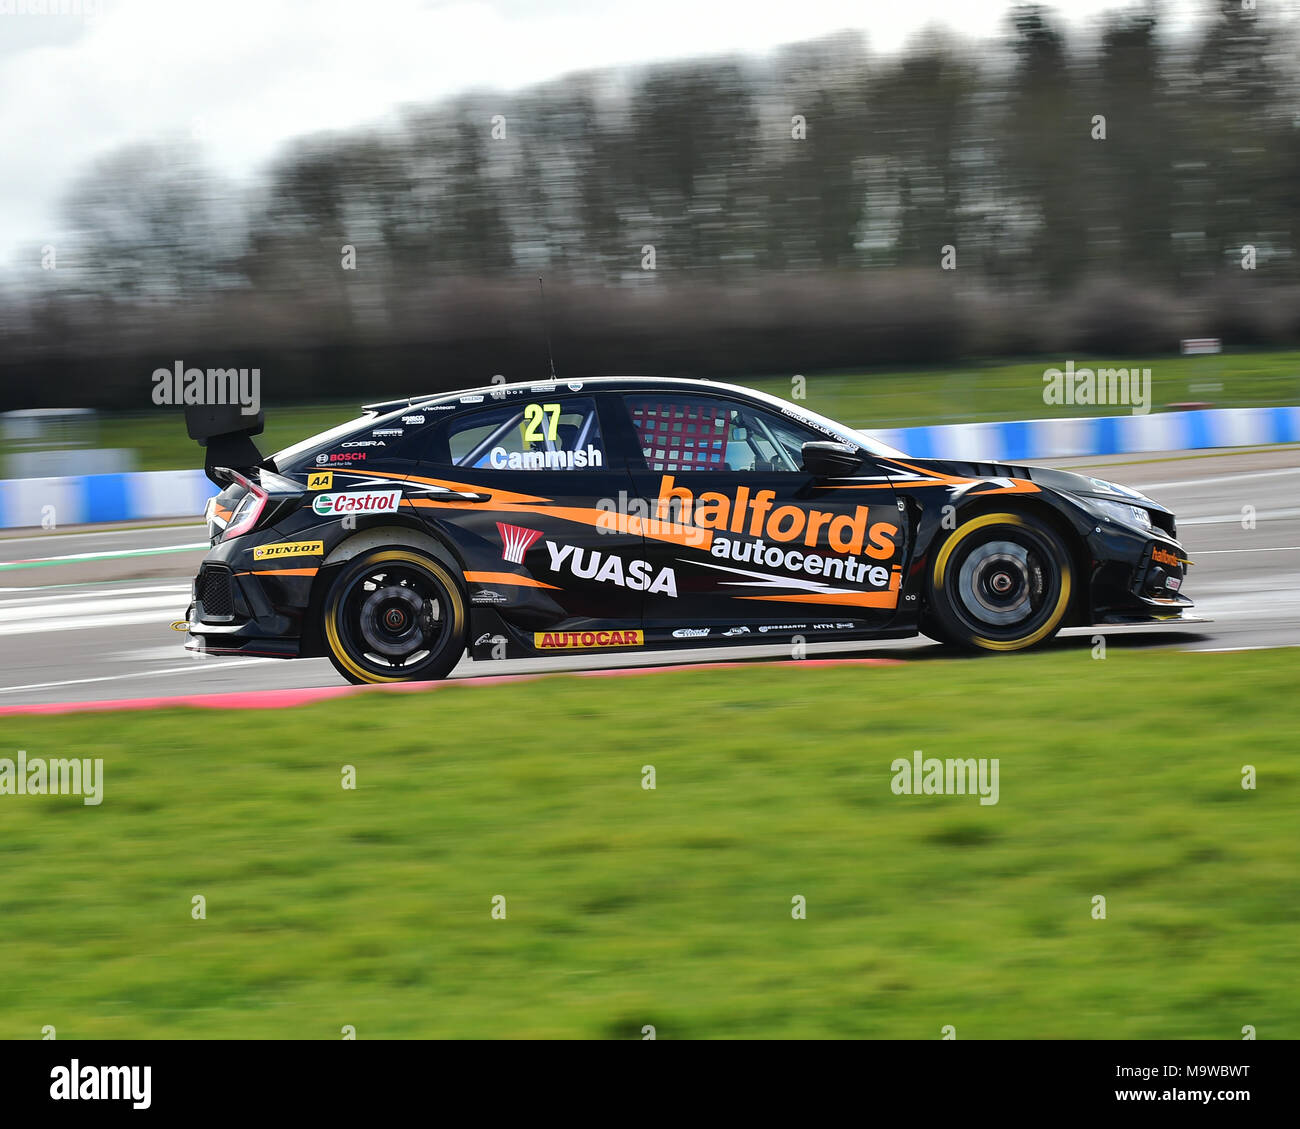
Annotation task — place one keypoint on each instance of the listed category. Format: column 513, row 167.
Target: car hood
column 1062, row 481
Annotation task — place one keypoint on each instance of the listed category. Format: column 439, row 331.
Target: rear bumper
column 239, row 612
column 238, row 639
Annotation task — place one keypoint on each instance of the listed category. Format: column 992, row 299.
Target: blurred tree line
column 822, row 208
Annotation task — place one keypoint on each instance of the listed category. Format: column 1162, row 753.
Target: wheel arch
column 364, row 540
column 1035, row 506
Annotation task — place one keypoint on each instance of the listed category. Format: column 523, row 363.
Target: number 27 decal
column 534, row 414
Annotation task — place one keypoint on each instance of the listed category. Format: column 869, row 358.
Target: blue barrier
column 183, row 493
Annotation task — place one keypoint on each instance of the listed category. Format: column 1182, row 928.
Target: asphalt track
column 85, row 614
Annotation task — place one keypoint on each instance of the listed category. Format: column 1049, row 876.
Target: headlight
column 1123, row 513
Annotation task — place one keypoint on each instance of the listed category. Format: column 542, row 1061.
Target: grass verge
column 672, row 907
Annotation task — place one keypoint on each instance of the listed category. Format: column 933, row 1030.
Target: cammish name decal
column 501, row 459
column 289, row 549
column 581, row 640
column 588, row 564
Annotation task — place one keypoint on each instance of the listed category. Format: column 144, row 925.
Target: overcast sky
column 242, row 76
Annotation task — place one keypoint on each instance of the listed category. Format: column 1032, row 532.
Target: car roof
column 605, row 383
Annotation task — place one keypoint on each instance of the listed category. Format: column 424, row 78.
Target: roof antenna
column 546, row 325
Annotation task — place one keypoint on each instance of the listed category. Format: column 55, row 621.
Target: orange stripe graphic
column 688, row 535
column 514, row 578
column 886, row 599
column 844, row 599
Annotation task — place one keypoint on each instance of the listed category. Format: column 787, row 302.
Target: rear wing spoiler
column 227, row 435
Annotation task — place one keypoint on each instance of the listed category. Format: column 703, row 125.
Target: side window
column 549, row 433
column 679, row 432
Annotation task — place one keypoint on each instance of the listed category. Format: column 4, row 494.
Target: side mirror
column 826, row 458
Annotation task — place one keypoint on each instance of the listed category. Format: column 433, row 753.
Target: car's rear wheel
column 1000, row 582
column 394, row 615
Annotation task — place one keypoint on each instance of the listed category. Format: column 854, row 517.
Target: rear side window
column 555, row 434
column 679, row 432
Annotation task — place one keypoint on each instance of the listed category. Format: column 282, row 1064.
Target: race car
column 625, row 514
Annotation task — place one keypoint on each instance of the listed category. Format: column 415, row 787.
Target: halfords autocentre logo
column 357, row 502
column 516, row 540
column 289, row 549
column 756, row 516
column 585, row 640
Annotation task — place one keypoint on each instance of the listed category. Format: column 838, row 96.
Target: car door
column 534, row 470
column 757, row 546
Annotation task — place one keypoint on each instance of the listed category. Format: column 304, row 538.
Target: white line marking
column 198, row 665
column 1252, row 647
column 93, row 610
column 1233, row 519
column 69, row 601
column 1217, row 479
column 95, row 623
column 1274, row 549
column 178, row 529
column 115, row 554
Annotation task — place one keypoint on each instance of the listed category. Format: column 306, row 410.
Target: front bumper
column 1137, row 577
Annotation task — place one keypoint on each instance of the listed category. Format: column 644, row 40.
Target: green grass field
column 1013, row 389
column 672, row 907
column 977, row 391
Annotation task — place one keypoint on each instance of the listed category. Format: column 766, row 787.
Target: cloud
column 243, row 76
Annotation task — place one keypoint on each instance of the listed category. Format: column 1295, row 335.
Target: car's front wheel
column 394, row 615
column 1000, row 582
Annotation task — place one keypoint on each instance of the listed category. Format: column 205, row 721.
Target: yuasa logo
column 588, row 564
column 516, row 540
column 357, row 502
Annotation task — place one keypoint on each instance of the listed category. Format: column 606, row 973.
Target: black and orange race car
column 619, row 514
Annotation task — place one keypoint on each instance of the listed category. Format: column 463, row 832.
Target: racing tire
column 394, row 615
column 1000, row 582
